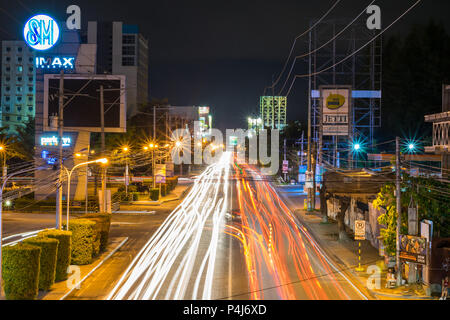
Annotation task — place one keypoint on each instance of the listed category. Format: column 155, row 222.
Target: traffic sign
column 360, row 230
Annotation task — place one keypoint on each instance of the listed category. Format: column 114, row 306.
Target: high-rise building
column 17, row 85
column 122, row 50
column 273, row 112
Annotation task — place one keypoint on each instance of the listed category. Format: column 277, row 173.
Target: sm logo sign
column 41, row 32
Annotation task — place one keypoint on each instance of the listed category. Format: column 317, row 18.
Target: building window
column 30, row 69
column 30, row 89
column 128, row 61
column 8, row 78
column 19, row 49
column 30, row 98
column 7, row 118
column 30, row 79
column 19, row 69
column 19, row 89
column 19, row 79
column 19, row 109
column 7, row 109
column 8, row 69
column 19, row 99
column 30, row 59
column 8, row 49
column 19, row 118
column 30, row 109
column 129, row 39
column 7, row 88
column 19, row 59
column 128, row 50
column 7, row 98
column 8, row 59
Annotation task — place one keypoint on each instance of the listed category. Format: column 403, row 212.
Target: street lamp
column 125, row 150
column 69, row 175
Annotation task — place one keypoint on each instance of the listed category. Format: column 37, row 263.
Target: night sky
column 219, row 53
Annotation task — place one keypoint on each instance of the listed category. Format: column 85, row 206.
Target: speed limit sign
column 360, row 230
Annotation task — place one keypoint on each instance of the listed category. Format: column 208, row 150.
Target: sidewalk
column 62, row 289
column 345, row 255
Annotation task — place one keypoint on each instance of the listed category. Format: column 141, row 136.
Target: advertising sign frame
column 336, row 121
column 413, row 249
column 121, row 92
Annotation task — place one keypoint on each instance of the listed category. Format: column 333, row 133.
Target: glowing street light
column 69, row 175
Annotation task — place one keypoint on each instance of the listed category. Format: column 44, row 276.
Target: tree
column 414, row 69
column 432, row 198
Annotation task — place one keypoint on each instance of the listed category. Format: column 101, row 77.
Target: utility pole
column 102, row 123
column 285, row 174
column 309, row 171
column 153, row 149
column 399, row 209
column 59, row 192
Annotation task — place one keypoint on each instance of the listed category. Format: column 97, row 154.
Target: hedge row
column 154, row 194
column 103, row 225
column 84, row 241
column 63, row 257
column 47, row 264
column 21, row 271
column 38, row 262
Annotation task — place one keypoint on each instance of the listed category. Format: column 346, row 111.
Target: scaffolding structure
column 362, row 72
column 273, row 112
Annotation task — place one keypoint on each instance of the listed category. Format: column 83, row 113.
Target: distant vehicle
column 234, row 216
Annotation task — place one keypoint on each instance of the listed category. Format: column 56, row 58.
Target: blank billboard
column 82, row 102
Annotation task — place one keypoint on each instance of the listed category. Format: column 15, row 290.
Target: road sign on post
column 360, row 235
column 360, row 230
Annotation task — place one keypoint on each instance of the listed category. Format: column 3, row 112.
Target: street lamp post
column 69, row 175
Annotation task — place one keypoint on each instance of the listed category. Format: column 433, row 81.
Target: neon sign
column 41, row 32
column 53, row 141
column 55, row 62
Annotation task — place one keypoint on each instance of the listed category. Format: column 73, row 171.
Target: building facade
column 18, row 88
column 121, row 49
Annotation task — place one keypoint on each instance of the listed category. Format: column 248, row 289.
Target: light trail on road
column 283, row 261
column 175, row 263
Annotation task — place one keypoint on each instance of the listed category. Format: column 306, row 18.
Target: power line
column 355, row 52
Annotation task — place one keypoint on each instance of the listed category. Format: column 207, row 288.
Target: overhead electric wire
column 297, row 38
column 355, row 52
column 322, row 46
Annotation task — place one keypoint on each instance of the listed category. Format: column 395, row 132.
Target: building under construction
column 273, row 112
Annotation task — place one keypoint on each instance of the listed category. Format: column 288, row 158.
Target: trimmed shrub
column 20, row 271
column 164, row 190
column 47, row 265
column 154, row 194
column 63, row 256
column 103, row 225
column 83, row 238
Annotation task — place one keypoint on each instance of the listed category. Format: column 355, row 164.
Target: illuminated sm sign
column 41, row 32
column 53, row 141
column 55, row 62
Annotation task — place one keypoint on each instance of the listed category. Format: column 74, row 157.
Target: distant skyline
column 220, row 54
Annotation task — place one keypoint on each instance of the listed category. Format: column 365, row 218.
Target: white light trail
column 175, row 263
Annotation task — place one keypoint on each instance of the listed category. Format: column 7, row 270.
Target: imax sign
column 41, row 32
column 55, row 62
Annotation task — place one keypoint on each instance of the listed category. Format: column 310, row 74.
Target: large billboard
column 82, row 102
column 336, row 111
